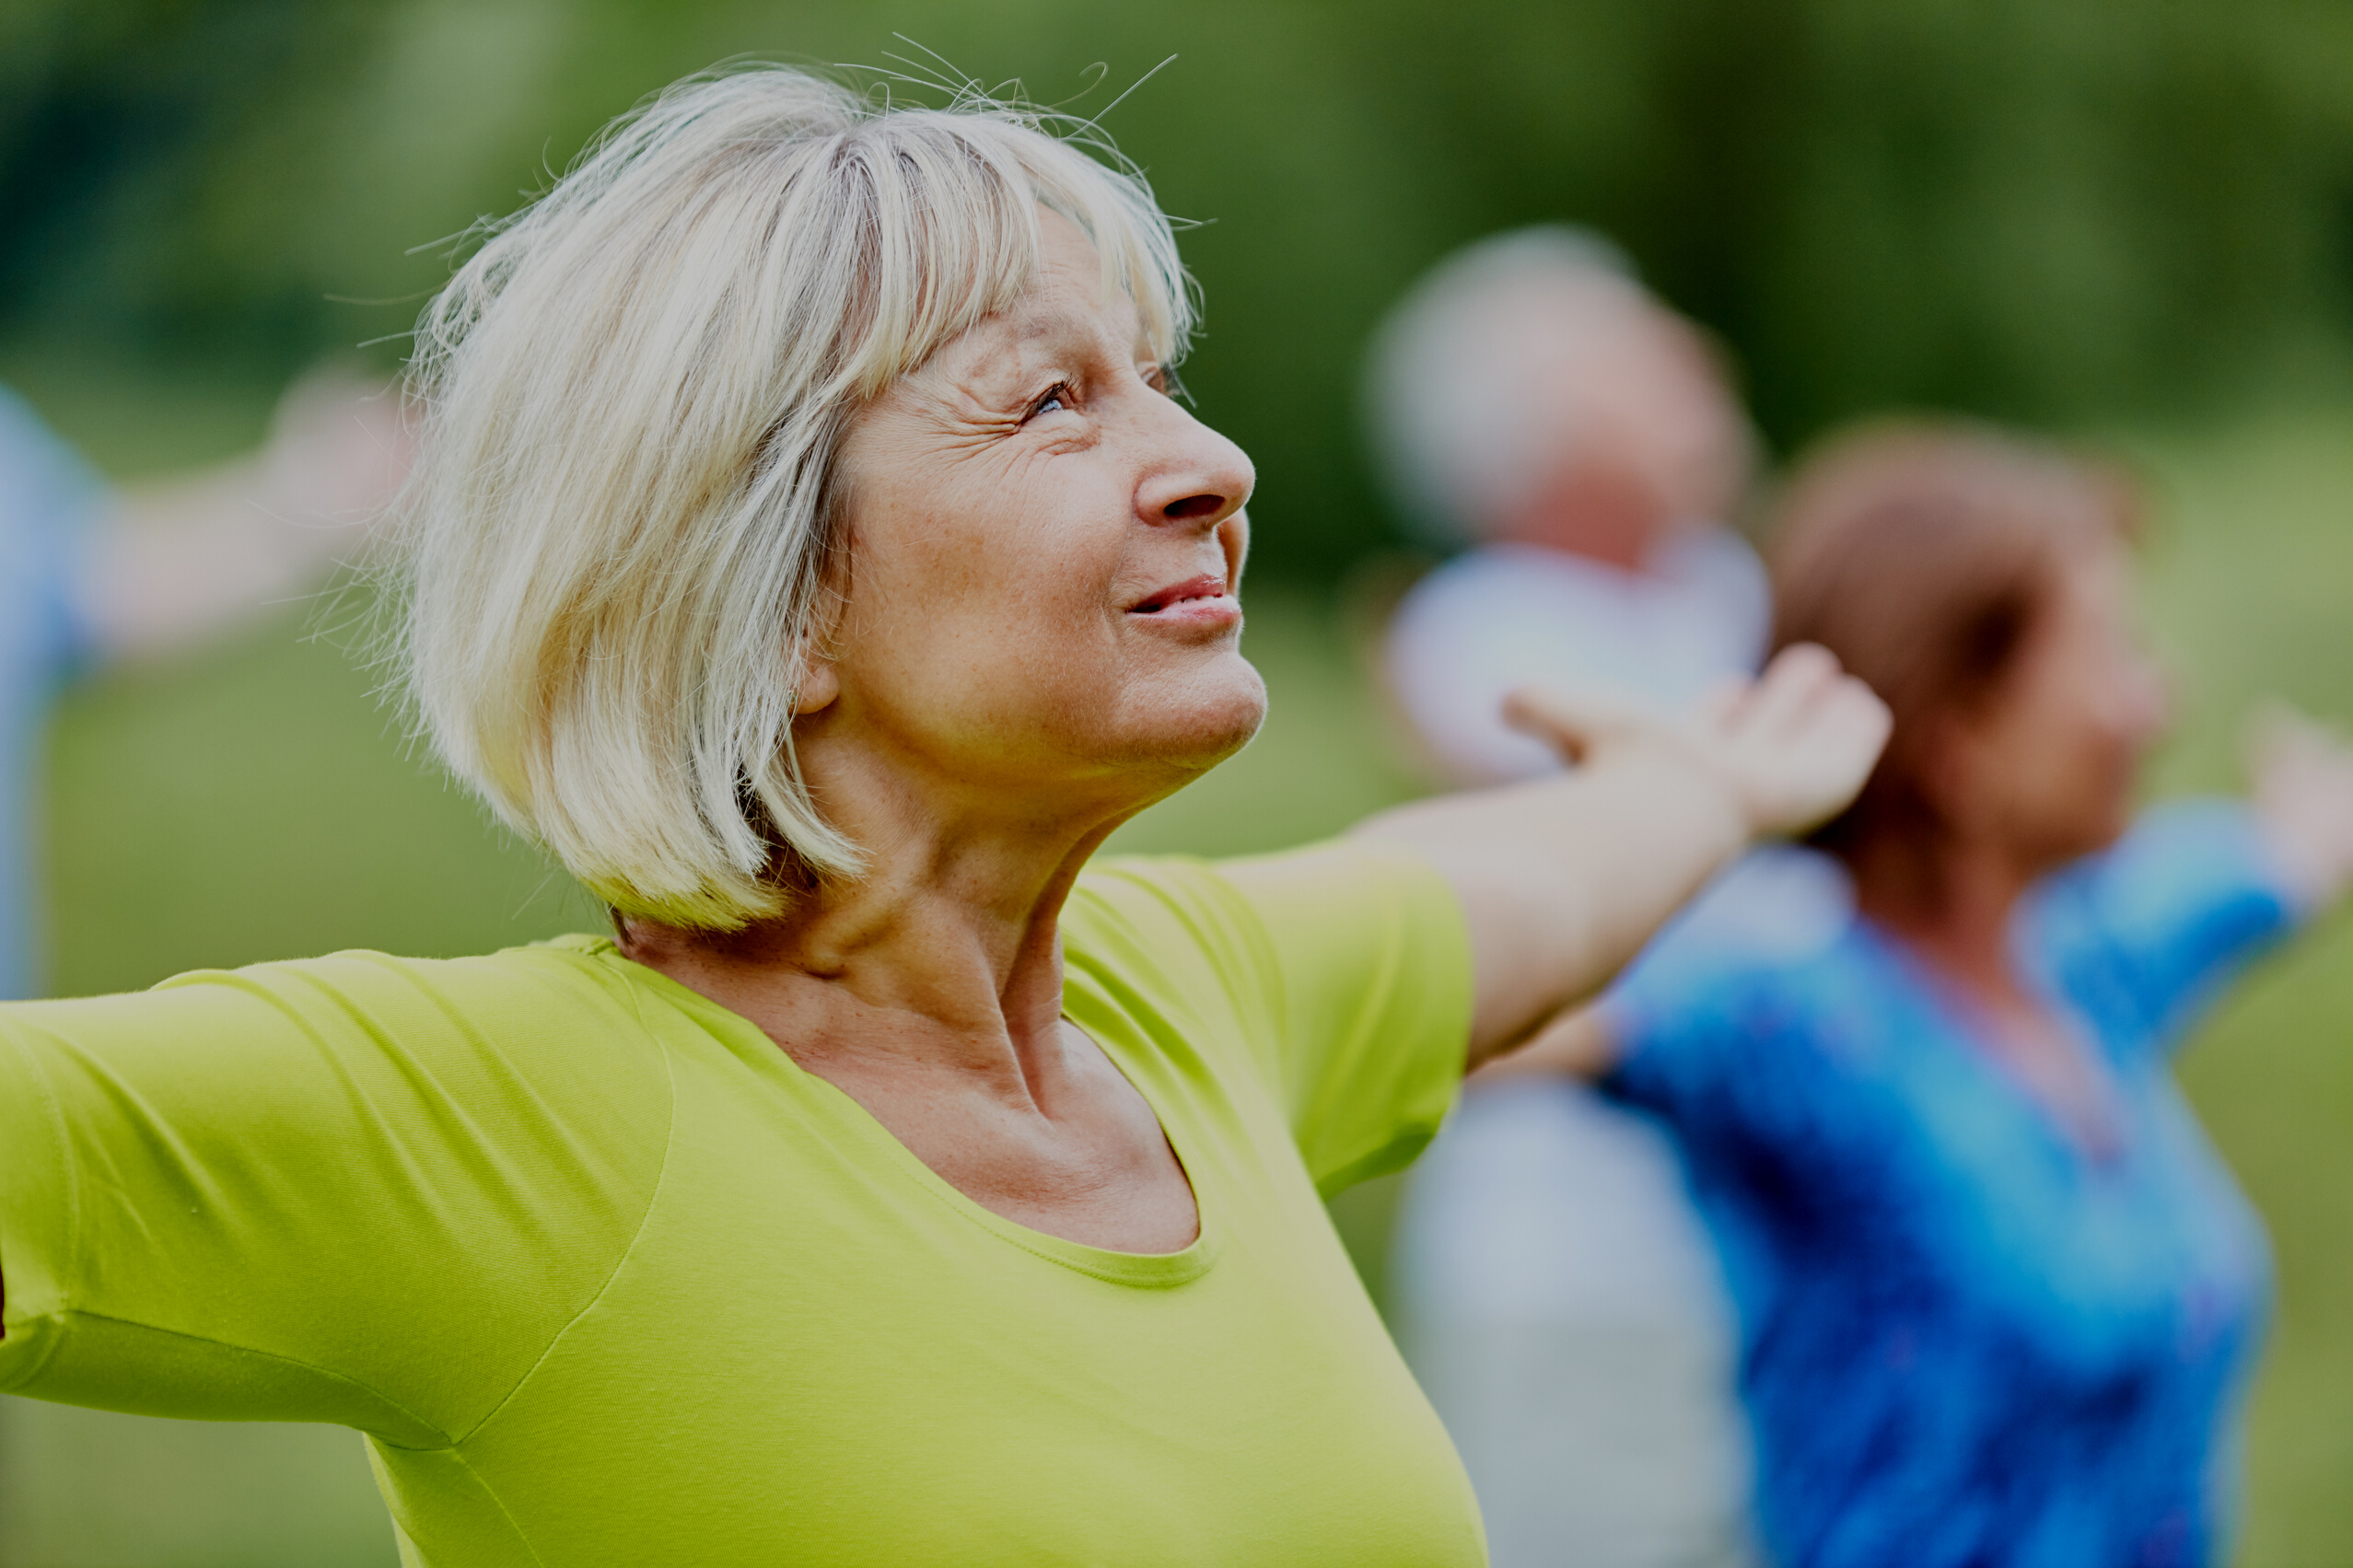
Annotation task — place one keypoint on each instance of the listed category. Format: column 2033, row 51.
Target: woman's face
column 1654, row 438
column 2047, row 769
column 1044, row 550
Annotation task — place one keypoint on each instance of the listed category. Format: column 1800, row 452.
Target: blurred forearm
column 173, row 566
column 182, row 560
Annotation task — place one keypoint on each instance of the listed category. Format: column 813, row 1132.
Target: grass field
column 254, row 802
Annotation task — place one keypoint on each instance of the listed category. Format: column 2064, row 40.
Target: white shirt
column 1512, row 615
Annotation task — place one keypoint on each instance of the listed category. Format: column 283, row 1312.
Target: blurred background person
column 1999, row 1296
column 91, row 577
column 1531, row 399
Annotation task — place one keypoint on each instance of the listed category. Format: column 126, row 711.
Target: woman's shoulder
column 1289, row 944
column 1127, row 888
column 1149, row 911
column 1337, row 977
column 1767, row 1036
column 2140, row 935
column 1258, row 913
column 2183, row 855
column 1769, row 975
column 567, row 971
column 552, row 1006
column 1172, row 926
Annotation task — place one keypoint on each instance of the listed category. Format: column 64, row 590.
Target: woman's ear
column 819, row 685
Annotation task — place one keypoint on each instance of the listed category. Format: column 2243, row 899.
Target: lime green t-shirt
column 605, row 1278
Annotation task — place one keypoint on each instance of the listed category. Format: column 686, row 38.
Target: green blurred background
column 2125, row 219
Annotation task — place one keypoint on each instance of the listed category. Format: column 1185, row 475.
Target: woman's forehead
column 1071, row 290
column 1067, row 309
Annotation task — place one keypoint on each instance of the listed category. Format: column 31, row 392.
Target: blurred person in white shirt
column 1531, row 401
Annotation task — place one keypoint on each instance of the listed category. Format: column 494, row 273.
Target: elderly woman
column 806, row 550
column 1998, row 1298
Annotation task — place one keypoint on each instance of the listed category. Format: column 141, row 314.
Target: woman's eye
column 1057, row 397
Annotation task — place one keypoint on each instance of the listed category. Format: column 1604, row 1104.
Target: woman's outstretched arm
column 1562, row 880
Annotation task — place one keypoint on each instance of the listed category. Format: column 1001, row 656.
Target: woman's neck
column 943, row 952
column 928, row 991
column 1953, row 909
column 1953, row 905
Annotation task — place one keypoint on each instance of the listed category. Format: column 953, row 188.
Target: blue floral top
column 1966, row 1338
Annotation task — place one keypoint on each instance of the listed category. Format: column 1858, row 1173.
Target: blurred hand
column 2301, row 774
column 1792, row 747
column 189, row 556
column 340, row 445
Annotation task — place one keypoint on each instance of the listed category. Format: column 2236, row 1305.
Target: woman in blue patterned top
column 1999, row 1296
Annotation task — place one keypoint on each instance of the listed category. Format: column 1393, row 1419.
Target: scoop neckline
column 1149, row 1270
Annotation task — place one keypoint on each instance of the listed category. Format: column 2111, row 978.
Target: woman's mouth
column 1197, row 601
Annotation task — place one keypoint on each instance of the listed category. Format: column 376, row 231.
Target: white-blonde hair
column 1460, row 382
column 616, row 539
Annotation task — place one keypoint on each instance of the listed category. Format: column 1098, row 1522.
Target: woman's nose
column 1204, row 480
column 1204, row 504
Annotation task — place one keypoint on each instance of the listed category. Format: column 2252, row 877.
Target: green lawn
column 2251, row 593
column 255, row 802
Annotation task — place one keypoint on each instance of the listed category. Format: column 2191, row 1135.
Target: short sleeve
column 2144, row 935
column 1348, row 968
column 357, row 1189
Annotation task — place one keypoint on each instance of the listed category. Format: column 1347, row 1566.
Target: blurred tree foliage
column 2055, row 210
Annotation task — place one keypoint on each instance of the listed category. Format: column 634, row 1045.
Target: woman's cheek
column 1233, row 535
column 2110, row 774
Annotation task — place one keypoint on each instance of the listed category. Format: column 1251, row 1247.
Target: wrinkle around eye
column 1061, row 393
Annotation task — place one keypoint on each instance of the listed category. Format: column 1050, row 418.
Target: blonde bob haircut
column 615, row 547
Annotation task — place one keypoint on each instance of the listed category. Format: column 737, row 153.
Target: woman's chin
column 1199, row 722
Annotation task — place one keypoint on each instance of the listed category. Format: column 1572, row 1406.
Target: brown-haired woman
column 1998, row 1298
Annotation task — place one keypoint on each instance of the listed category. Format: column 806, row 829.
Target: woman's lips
column 1197, row 601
